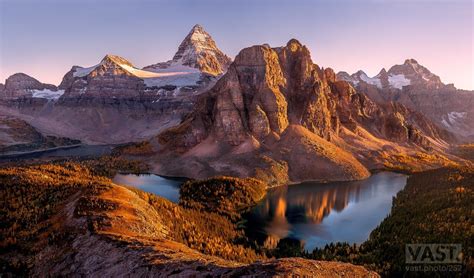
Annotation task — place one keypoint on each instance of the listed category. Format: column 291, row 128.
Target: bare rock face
column 261, row 95
column 279, row 110
column 198, row 50
column 20, row 85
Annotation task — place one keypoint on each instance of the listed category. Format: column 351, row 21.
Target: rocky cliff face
column 414, row 86
column 198, row 50
column 276, row 107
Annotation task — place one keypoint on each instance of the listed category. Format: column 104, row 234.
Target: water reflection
column 317, row 214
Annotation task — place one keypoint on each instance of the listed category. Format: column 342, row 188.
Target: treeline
column 223, row 195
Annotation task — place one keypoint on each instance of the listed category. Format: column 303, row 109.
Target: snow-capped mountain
column 410, row 73
column 112, row 77
column 196, row 65
column 197, row 51
column 116, row 77
column 416, row 87
column 414, row 74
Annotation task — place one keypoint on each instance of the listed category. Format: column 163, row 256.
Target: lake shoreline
column 342, row 196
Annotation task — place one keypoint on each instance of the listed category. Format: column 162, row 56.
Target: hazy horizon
column 44, row 39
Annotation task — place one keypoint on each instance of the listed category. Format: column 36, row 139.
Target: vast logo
column 433, row 254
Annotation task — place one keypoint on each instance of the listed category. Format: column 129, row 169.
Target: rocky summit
column 198, row 50
column 22, row 85
column 290, row 120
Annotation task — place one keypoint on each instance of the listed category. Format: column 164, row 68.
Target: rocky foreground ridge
column 277, row 116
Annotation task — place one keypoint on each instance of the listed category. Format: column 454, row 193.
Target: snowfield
column 47, row 94
column 453, row 118
column 374, row 81
column 175, row 75
column 81, row 72
column 398, row 81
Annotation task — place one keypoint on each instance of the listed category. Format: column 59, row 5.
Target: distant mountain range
column 414, row 86
column 115, row 94
column 294, row 120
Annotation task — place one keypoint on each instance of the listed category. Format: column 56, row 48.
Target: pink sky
column 45, row 38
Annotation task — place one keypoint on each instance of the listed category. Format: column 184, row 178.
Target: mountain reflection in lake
column 317, row 214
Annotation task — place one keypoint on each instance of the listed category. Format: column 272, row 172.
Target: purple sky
column 44, row 38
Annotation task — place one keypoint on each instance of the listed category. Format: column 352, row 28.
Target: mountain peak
column 115, row 59
column 411, row 61
column 294, row 43
column 198, row 34
column 197, row 50
column 197, row 40
column 197, row 28
column 360, row 73
column 417, row 74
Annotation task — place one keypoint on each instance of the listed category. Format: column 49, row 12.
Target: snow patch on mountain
column 178, row 80
column 374, row 81
column 398, row 81
column 175, row 75
column 81, row 72
column 47, row 94
column 453, row 118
